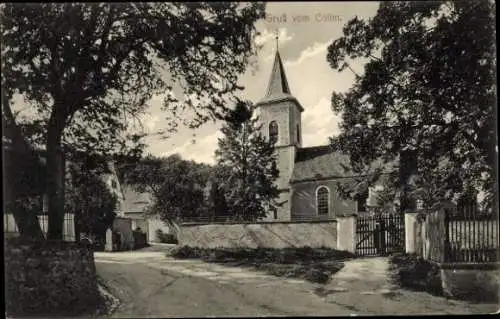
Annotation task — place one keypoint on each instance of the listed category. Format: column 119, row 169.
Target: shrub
column 165, row 238
column 316, row 275
column 414, row 272
column 185, row 252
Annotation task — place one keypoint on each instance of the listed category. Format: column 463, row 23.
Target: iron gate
column 380, row 235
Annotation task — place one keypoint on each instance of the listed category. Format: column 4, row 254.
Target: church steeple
column 278, row 88
column 280, row 116
column 278, row 84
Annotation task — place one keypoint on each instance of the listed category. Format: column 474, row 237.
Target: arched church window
column 323, row 200
column 273, row 132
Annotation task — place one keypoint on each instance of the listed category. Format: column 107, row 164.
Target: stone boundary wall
column 48, row 279
column 469, row 281
column 262, row 235
column 478, row 282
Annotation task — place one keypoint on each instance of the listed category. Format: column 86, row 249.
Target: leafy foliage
column 90, row 68
column 176, row 185
column 216, row 200
column 247, row 154
column 89, row 198
column 426, row 97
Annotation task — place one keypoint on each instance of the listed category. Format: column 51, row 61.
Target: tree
column 252, row 166
column 176, row 185
column 86, row 67
column 24, row 177
column 216, row 200
column 89, row 199
column 426, row 97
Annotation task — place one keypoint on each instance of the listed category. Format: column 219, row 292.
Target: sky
column 305, row 31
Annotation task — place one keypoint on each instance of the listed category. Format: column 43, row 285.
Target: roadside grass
column 415, row 273
column 108, row 303
column 312, row 264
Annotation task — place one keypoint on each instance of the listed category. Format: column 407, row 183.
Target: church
column 308, row 176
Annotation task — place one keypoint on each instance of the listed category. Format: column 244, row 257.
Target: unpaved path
column 149, row 284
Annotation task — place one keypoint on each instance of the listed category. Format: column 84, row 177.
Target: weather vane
column 277, row 38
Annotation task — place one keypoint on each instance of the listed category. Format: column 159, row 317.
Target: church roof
column 319, row 162
column 278, row 88
column 278, row 84
column 322, row 162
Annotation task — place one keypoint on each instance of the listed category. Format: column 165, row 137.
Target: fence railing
column 10, row 227
column 380, row 234
column 234, row 220
column 214, row 219
column 471, row 236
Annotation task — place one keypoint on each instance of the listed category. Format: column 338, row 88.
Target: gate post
column 108, row 246
column 410, row 232
column 346, row 233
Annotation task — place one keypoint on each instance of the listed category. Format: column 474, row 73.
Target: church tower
column 280, row 114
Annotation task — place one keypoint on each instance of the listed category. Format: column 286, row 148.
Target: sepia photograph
column 249, row 159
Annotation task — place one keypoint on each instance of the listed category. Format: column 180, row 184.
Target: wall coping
column 353, row 215
column 477, row 266
column 188, row 224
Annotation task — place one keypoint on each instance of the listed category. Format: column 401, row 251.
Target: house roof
column 134, row 202
column 323, row 162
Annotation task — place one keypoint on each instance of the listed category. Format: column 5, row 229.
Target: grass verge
column 312, row 264
column 107, row 302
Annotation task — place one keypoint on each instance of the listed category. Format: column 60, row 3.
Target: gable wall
column 304, row 200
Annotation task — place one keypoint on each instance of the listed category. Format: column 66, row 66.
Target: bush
column 414, row 272
column 165, row 238
column 281, row 256
column 185, row 252
column 316, row 275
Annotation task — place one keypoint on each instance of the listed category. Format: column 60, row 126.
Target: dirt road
column 149, row 284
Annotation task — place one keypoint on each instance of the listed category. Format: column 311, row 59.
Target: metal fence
column 10, row 227
column 236, row 220
column 471, row 236
column 213, row 219
column 380, row 234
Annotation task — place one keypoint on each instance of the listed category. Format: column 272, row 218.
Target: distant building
column 134, row 206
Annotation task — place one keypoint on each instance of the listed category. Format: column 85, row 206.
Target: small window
column 298, row 133
column 113, row 183
column 273, row 132
column 322, row 200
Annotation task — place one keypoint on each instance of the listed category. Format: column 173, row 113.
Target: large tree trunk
column 407, row 169
column 55, row 183
column 26, row 221
column 19, row 161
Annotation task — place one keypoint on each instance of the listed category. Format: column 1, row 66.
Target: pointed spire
column 278, row 84
column 278, row 88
